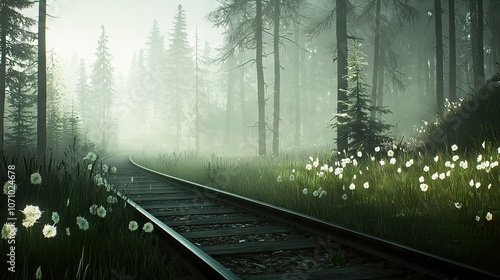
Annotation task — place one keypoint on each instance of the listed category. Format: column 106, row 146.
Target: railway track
column 218, row 235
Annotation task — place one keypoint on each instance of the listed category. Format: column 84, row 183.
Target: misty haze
column 378, row 116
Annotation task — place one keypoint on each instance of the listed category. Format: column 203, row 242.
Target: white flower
column 424, row 187
column 148, row 227
column 93, row 209
column 471, row 183
column 499, row 150
column 309, row 166
column 442, row 176
column 479, row 158
column 68, row 233
column 409, row 163
column 9, row 186
column 292, row 177
column 320, row 174
column 448, row 173
column 104, row 168
column 113, row 169
column 390, row 153
column 91, row 156
column 434, row 176
column 399, row 170
column 352, row 186
column 366, row 185
column 49, row 231
column 354, row 162
column 101, row 212
column 38, row 273
column 447, row 164
column 478, row 218
column 322, row 194
column 489, row 186
column 494, row 164
column 279, row 179
column 489, row 216
column 455, row 157
column 392, row 161
column 354, row 177
column 132, row 226
column 483, row 144
column 454, row 147
column 341, row 176
column 338, row 171
column 421, row 179
column 9, row 231
column 458, row 205
column 315, row 193
column 32, row 212
column 372, row 158
column 436, row 158
column 55, row 217
column 478, row 184
column 344, row 196
column 377, row 149
column 464, row 164
column 316, row 163
column 82, row 223
column 293, row 170
column 304, row 191
column 426, row 168
column 360, row 154
column 89, row 167
column 330, row 169
column 324, row 167
column 36, row 178
column 382, row 162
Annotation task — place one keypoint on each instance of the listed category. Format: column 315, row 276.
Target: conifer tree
column 155, row 63
column 16, row 49
column 55, row 97
column 361, row 131
column 102, row 92
column 84, row 101
column 180, row 68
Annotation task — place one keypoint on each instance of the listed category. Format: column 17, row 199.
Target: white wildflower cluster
column 31, row 215
column 98, row 210
column 9, row 231
column 91, row 156
column 36, row 178
column 319, row 192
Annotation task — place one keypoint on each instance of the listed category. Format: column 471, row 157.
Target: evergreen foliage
column 82, row 91
column 55, row 96
column 101, row 121
column 362, row 131
column 180, row 69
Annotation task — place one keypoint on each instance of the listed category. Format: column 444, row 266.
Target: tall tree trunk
column 420, row 65
column 260, row 80
column 439, row 58
column 276, row 115
column 341, row 71
column 296, row 84
column 480, row 42
column 228, row 132
column 197, row 103
column 381, row 83
column 432, row 72
column 242, row 96
column 453, row 52
column 376, row 56
column 3, row 74
column 42, row 84
column 474, row 40
column 428, row 88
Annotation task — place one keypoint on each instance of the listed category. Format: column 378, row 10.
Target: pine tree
column 21, row 112
column 155, row 63
column 15, row 47
column 180, row 68
column 361, row 131
column 55, row 96
column 102, row 92
column 84, row 101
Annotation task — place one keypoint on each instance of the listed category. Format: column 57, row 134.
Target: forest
column 278, row 79
column 377, row 115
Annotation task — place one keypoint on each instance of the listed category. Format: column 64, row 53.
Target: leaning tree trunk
column 260, row 80
column 474, row 40
column 439, row 58
column 453, row 52
column 341, row 71
column 276, row 115
column 42, row 84
column 381, row 83
column 480, row 45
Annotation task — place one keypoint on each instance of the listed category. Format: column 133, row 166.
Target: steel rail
column 202, row 265
column 413, row 259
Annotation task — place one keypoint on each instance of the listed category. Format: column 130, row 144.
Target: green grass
column 441, row 219
column 107, row 250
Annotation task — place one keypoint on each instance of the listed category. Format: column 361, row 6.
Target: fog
column 155, row 105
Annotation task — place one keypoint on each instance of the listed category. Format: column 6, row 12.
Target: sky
column 73, row 27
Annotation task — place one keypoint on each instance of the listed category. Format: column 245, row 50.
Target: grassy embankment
column 75, row 228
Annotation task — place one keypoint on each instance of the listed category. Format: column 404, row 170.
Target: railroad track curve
column 219, row 235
